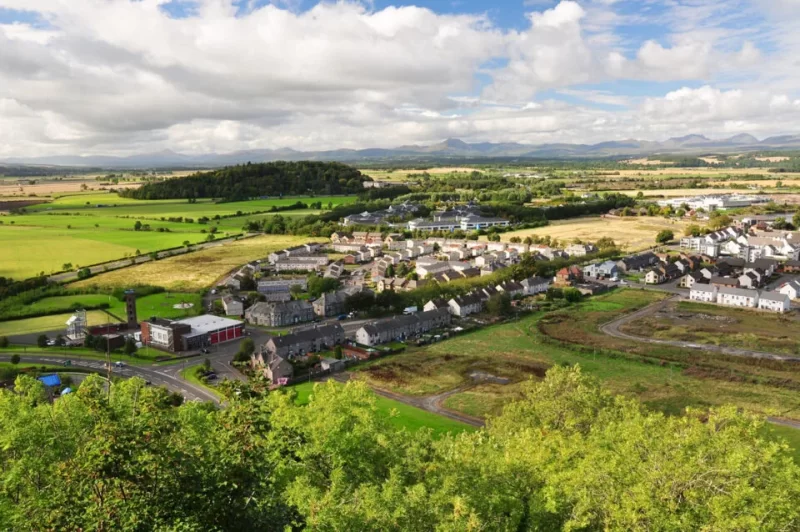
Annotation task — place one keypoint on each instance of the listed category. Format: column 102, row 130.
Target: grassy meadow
column 631, row 233
column 400, row 414
column 194, row 271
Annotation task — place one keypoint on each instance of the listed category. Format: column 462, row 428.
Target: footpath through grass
column 400, row 414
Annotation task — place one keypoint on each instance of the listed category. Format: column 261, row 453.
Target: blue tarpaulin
column 50, row 380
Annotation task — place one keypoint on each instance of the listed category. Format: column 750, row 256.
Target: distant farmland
column 90, row 228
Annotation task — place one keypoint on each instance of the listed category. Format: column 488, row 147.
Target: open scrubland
column 197, row 270
column 712, row 324
column 666, row 379
column 630, row 233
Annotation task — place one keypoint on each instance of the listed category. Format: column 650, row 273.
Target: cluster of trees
column 249, row 181
column 568, row 456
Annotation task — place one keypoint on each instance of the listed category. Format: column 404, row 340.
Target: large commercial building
column 190, row 334
column 715, row 202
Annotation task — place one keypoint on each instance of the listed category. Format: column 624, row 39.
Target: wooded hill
column 256, row 180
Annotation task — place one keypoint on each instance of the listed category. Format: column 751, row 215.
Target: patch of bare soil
column 6, row 206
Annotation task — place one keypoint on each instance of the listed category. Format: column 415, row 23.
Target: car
column 51, row 342
column 67, row 363
column 119, row 364
column 341, row 317
column 205, row 351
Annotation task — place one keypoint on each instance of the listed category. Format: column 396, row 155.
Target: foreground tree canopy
column 569, row 456
column 248, row 181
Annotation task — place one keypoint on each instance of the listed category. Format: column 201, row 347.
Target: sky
column 120, row 77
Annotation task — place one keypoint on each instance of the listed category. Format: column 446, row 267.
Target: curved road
column 167, row 376
column 612, row 329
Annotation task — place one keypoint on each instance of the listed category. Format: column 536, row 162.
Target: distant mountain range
column 450, row 149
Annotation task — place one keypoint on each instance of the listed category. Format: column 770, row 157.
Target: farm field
column 90, row 228
column 114, row 205
column 50, row 323
column 29, row 250
column 520, row 351
column 407, row 417
column 51, row 188
column 710, row 324
column 631, row 233
column 197, row 270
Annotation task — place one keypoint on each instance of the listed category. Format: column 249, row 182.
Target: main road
column 166, row 376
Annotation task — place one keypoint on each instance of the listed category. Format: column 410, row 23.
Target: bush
column 4, row 341
column 15, row 359
column 41, row 341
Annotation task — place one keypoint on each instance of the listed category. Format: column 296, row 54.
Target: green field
column 113, row 205
column 402, row 415
column 29, row 250
column 91, row 228
column 161, row 305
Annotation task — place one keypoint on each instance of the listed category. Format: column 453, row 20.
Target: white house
column 737, row 297
column 704, row 293
column 791, row 289
column 465, row 305
column 774, row 302
column 535, row 285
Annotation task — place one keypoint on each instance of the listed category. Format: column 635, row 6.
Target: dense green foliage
column 568, row 456
column 257, row 180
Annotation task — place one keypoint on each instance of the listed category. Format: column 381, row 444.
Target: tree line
column 567, row 456
column 244, row 182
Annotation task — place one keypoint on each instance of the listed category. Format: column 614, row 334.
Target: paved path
column 613, row 329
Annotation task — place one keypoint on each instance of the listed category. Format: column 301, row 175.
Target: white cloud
column 121, row 76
